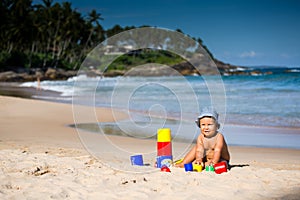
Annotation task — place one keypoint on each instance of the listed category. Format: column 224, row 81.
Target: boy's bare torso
column 209, row 144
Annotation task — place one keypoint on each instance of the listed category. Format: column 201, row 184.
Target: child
column 211, row 147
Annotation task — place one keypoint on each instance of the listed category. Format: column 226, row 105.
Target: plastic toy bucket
column 164, row 161
column 220, row 167
column 188, row 167
column 164, row 148
column 137, row 160
column 197, row 168
column 209, row 168
column 164, row 135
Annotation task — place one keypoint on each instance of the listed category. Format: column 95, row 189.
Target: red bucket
column 164, row 148
column 220, row 167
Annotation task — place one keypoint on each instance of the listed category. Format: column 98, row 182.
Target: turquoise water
column 270, row 100
column 266, row 100
column 153, row 102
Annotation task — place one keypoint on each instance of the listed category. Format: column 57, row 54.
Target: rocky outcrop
column 56, row 74
column 11, row 76
column 35, row 74
column 152, row 69
column 185, row 68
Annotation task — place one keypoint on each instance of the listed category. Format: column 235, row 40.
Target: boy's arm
column 199, row 151
column 218, row 149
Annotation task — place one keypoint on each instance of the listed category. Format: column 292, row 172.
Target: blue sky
column 241, row 32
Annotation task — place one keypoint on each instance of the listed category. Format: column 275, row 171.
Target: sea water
column 270, row 100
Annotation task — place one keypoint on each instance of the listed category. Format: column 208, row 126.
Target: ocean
column 266, row 100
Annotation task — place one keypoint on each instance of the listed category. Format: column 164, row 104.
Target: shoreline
column 246, row 131
column 15, row 90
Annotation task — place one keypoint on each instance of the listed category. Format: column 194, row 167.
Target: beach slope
column 42, row 157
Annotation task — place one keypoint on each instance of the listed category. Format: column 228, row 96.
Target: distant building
column 117, row 50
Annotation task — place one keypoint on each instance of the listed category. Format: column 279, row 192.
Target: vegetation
column 56, row 35
column 144, row 56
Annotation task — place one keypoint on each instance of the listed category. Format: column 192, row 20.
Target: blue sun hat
column 207, row 112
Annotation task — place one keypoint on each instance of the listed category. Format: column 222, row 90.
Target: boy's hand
column 208, row 163
column 199, row 162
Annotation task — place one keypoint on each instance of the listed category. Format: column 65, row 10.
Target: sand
column 41, row 157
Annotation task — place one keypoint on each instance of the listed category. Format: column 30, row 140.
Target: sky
column 239, row 32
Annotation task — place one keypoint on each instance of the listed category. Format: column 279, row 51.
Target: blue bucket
column 137, row 160
column 188, row 167
column 164, row 161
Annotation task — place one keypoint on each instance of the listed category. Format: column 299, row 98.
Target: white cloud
column 249, row 54
column 285, row 55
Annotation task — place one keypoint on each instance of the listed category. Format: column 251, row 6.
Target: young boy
column 211, row 147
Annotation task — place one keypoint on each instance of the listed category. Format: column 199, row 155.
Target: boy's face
column 208, row 126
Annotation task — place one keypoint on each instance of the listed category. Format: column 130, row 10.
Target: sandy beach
column 41, row 157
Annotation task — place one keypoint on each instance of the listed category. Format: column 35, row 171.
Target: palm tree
column 93, row 22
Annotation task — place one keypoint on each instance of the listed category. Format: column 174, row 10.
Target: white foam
column 294, row 70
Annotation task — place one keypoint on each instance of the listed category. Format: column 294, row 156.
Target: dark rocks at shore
column 57, row 74
column 22, row 75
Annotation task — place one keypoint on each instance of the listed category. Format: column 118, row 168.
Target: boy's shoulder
column 219, row 135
